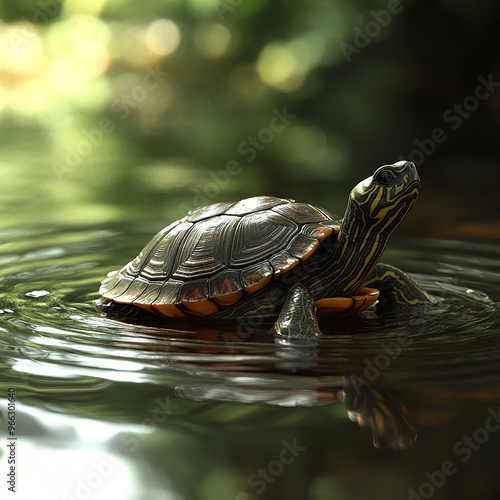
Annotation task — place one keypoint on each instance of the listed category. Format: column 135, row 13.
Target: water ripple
column 50, row 330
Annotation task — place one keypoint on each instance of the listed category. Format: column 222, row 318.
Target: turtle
column 273, row 260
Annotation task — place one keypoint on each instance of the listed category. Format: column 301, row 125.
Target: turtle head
column 378, row 204
column 375, row 209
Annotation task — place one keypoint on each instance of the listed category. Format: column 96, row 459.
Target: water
column 113, row 410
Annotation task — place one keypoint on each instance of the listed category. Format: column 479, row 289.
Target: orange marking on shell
column 260, row 284
column 226, row 288
column 168, row 310
column 309, row 252
column 146, row 307
column 323, row 233
column 336, row 305
column 203, row 307
column 285, row 268
column 229, row 299
column 191, row 294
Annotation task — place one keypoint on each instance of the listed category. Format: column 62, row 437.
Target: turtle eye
column 386, row 177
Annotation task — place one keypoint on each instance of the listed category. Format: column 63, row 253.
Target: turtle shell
column 219, row 254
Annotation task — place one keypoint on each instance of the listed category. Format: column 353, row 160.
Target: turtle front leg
column 297, row 318
column 396, row 287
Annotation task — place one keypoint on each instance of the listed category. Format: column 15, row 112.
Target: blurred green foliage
column 120, row 109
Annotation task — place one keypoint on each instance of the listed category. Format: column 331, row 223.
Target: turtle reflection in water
column 367, row 404
column 275, row 259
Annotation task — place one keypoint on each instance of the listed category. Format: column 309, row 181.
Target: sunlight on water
column 84, row 468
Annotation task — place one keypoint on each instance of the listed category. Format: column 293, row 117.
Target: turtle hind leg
column 297, row 318
column 397, row 288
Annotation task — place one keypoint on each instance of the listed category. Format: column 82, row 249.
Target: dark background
column 368, row 82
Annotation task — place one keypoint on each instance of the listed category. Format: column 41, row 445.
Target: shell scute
column 318, row 231
column 301, row 213
column 226, row 288
column 206, row 248
column 258, row 236
column 109, row 283
column 251, row 205
column 193, row 290
column 120, row 285
column 255, row 277
column 169, row 292
column 202, row 213
column 151, row 294
column 135, row 266
column 161, row 257
column 302, row 246
column 282, row 261
column 135, row 290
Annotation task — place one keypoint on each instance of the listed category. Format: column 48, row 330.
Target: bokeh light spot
column 162, row 37
column 2, row 99
column 21, row 50
column 278, row 67
column 212, row 40
column 63, row 77
column 28, row 98
column 92, row 57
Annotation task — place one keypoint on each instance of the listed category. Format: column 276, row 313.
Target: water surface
column 199, row 411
